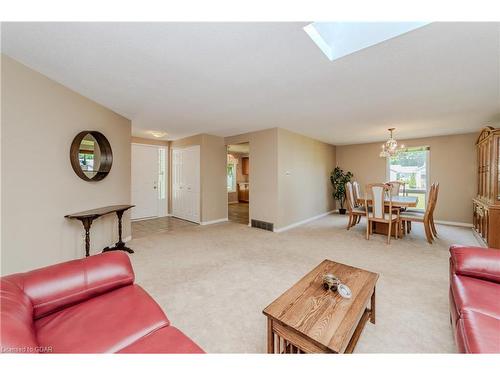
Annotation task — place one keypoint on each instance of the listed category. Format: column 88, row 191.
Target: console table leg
column 87, row 223
column 120, row 245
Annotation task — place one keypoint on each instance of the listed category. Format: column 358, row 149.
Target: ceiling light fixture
column 390, row 147
column 158, row 134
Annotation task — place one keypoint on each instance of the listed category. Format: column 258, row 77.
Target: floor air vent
column 262, row 225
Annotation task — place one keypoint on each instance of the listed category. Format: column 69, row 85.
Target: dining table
column 398, row 201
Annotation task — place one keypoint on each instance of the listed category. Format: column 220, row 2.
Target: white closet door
column 186, row 183
column 177, row 209
column 144, row 181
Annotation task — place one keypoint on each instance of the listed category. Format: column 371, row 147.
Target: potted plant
column 339, row 178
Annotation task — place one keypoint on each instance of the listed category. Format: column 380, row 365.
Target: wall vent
column 262, row 225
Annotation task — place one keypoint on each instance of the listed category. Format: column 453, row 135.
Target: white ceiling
column 230, row 78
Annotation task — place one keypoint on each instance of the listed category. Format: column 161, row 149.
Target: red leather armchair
column 88, row 305
column 475, row 298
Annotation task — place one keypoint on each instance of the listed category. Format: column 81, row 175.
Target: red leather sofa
column 475, row 298
column 88, row 305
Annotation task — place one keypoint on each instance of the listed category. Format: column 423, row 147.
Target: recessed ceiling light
column 338, row 39
column 158, row 134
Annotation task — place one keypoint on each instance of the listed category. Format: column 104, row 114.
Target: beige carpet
column 213, row 281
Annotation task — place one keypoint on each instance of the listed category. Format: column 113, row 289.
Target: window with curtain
column 411, row 166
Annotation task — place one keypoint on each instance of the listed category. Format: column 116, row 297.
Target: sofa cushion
column 54, row 287
column 475, row 294
column 103, row 324
column 165, row 340
column 478, row 333
column 476, row 262
column 17, row 333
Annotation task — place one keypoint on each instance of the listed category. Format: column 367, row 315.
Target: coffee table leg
column 270, row 336
column 372, row 308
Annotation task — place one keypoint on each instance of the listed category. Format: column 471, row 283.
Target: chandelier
column 390, row 147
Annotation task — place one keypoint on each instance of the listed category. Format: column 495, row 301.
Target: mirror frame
column 106, row 155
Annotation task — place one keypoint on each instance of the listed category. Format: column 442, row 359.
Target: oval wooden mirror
column 91, row 155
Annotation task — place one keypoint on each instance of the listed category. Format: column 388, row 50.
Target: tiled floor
column 238, row 213
column 144, row 228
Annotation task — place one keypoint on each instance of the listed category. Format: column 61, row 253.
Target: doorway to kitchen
column 238, row 182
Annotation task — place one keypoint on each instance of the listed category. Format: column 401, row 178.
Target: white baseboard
column 233, row 202
column 454, row 223
column 213, row 221
column 150, row 218
column 279, row 230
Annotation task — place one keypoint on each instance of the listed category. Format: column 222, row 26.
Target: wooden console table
column 87, row 217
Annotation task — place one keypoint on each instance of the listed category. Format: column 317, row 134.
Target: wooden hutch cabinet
column 486, row 205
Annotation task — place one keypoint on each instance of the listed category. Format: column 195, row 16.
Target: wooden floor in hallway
column 238, row 212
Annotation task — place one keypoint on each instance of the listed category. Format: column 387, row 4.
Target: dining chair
column 436, row 192
column 357, row 194
column 355, row 213
column 380, row 194
column 395, row 187
column 426, row 218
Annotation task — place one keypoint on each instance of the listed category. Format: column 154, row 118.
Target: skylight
column 338, row 39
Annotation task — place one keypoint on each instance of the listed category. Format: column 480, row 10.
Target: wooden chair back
column 395, row 187
column 436, row 192
column 349, row 197
column 357, row 193
column 379, row 194
column 431, row 201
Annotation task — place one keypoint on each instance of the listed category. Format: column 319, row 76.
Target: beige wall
column 40, row 118
column 213, row 200
column 263, row 179
column 304, row 188
column 287, row 199
column 213, row 178
column 452, row 164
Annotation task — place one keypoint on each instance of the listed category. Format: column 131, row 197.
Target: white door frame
column 162, row 203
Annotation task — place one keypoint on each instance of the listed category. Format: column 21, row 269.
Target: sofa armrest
column 55, row 287
column 476, row 262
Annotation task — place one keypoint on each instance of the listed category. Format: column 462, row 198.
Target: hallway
column 238, row 213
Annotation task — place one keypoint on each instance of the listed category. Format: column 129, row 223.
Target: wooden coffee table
column 308, row 319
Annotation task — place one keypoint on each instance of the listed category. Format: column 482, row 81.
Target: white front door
column 186, row 183
column 147, row 181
